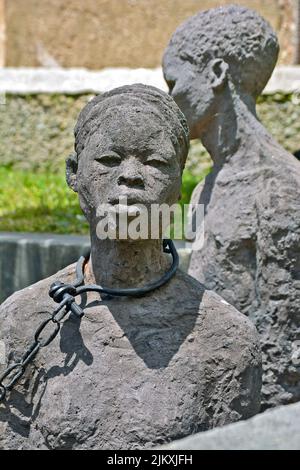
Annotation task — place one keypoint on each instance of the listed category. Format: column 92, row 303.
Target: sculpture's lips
column 127, row 204
column 125, row 199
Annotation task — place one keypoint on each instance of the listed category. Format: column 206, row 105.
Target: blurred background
column 44, row 47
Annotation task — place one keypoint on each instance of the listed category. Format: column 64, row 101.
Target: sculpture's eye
column 156, row 161
column 109, row 159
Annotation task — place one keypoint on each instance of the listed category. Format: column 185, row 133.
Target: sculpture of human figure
column 216, row 64
column 135, row 371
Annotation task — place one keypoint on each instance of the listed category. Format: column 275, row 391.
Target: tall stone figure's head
column 221, row 50
column 131, row 142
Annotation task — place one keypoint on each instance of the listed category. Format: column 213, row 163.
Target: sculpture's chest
column 116, row 386
column 232, row 207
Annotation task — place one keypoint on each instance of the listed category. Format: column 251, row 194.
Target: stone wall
column 107, row 33
column 36, row 131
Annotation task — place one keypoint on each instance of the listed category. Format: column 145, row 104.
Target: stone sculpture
column 216, row 64
column 134, row 372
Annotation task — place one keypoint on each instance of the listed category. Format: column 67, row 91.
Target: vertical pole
column 297, row 33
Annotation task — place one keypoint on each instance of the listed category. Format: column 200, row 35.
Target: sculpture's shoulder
column 217, row 318
column 213, row 309
column 227, row 345
column 275, row 173
column 284, row 171
column 277, row 201
column 26, row 306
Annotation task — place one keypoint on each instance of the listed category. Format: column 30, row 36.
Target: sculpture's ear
column 71, row 171
column 218, row 73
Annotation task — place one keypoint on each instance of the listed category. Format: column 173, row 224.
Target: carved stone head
column 130, row 142
column 226, row 48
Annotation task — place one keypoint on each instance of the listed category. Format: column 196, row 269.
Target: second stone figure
column 216, row 65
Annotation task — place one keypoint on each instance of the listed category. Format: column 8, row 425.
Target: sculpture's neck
column 232, row 129
column 123, row 263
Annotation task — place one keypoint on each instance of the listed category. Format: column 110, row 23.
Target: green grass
column 42, row 202
column 39, row 202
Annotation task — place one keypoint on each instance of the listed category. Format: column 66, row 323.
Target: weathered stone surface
column 277, row 429
column 251, row 250
column 107, row 380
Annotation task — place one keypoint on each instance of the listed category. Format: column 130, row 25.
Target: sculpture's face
column 191, row 88
column 130, row 155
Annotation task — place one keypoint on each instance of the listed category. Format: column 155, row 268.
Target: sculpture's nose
column 130, row 175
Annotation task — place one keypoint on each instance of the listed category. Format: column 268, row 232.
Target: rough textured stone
column 251, row 249
column 277, row 429
column 106, row 382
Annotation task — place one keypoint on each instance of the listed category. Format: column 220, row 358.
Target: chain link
column 14, row 372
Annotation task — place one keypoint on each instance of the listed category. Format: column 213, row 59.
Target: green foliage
column 189, row 181
column 40, row 202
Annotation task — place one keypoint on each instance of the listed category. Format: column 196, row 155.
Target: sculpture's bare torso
column 133, row 373
column 251, row 254
column 216, row 65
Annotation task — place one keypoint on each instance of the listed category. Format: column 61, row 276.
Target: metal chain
column 13, row 373
column 64, row 295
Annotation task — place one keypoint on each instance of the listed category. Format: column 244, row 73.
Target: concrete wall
column 107, row 33
column 2, row 34
column 27, row 258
